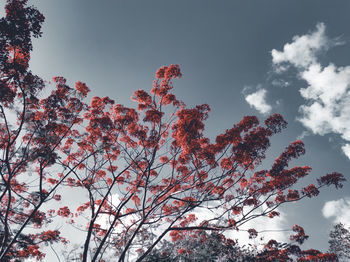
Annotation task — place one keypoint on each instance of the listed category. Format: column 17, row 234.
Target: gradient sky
column 224, row 51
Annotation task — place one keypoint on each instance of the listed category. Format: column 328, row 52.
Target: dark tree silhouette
column 339, row 242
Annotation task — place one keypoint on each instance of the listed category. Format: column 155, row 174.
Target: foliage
column 216, row 247
column 339, row 242
column 209, row 247
column 146, row 171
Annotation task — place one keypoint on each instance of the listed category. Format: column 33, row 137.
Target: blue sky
column 240, row 57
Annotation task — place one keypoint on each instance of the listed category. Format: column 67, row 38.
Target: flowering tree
column 31, row 131
column 145, row 172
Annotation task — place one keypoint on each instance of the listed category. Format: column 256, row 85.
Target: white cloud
column 327, row 95
column 346, row 150
column 280, row 83
column 303, row 135
column 301, row 52
column 338, row 211
column 268, row 228
column 258, row 101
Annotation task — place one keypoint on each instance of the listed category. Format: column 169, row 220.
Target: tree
column 209, row 247
column 27, row 141
column 216, row 247
column 146, row 171
column 339, row 242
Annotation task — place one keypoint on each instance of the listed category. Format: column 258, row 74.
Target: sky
column 240, row 57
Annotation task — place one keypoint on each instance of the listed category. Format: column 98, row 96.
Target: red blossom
column 273, row 214
column 63, row 212
column 311, row 190
column 332, row 179
column 226, row 163
column 57, row 197
column 153, row 116
column 173, row 71
column 161, row 71
column 52, row 181
column 252, row 233
column 275, row 123
column 300, row 237
column 136, row 200
column 142, row 96
column 292, row 195
column 50, row 235
column 182, row 251
column 82, row 88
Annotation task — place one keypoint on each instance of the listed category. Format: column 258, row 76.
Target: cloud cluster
column 301, row 52
column 257, row 100
column 338, row 211
column 327, row 95
column 268, row 228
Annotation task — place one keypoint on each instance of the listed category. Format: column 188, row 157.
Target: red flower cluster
column 300, row 237
column 82, row 88
column 173, row 71
column 64, row 212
